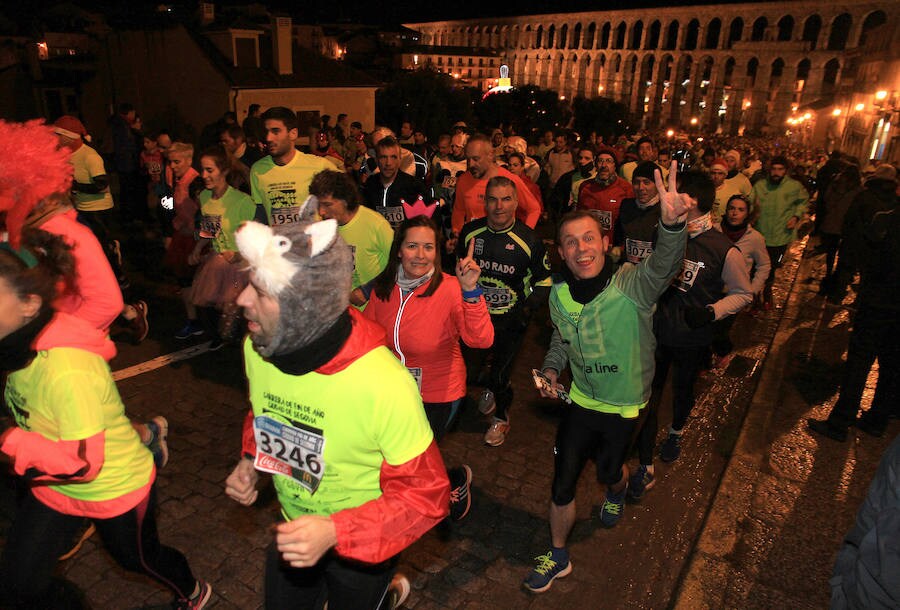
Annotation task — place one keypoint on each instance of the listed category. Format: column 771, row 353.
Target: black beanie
column 645, row 169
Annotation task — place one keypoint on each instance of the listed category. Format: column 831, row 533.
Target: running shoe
column 198, row 601
column 158, row 444
column 611, row 511
column 397, row 592
column 87, row 533
column 640, row 482
column 671, row 448
column 486, row 402
column 460, row 494
column 547, row 568
column 191, row 329
column 140, row 325
column 496, row 434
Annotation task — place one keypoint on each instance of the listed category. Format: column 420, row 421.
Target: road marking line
column 161, row 361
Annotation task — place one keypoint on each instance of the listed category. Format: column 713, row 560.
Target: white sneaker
column 486, row 402
column 397, row 592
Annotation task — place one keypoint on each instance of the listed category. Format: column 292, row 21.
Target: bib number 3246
column 289, row 451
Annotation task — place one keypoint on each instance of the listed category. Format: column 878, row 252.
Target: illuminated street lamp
column 860, row 107
column 670, row 133
column 836, row 112
column 693, row 120
column 881, row 95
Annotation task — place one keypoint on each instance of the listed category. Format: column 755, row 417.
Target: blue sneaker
column 191, row 329
column 547, row 569
column 611, row 511
column 671, row 448
column 640, row 482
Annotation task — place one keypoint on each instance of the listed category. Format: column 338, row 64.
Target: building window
column 440, row 61
column 245, row 53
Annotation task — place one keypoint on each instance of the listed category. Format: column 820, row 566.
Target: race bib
column 637, row 250
column 497, row 298
column 605, row 218
column 285, row 216
column 210, row 225
column 449, row 182
column 393, row 214
column 689, row 271
column 416, row 372
column 289, row 451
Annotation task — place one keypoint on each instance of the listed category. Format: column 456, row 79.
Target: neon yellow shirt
column 68, row 394
column 282, row 189
column 222, row 217
column 88, row 164
column 370, row 236
column 345, row 424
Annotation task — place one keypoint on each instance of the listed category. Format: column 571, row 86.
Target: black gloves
column 698, row 317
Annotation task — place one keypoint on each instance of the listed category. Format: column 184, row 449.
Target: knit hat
column 608, row 150
column 720, row 162
column 735, row 154
column 70, row 127
column 33, row 168
column 517, row 143
column 308, row 268
column 645, row 169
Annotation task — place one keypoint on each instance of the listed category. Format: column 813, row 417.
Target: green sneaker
column 611, row 511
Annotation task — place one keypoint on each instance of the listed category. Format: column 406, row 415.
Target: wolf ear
column 310, row 208
column 322, row 235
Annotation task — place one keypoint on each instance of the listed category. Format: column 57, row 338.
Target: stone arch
column 557, row 74
column 575, row 42
column 728, row 72
column 562, row 43
column 785, row 29
column 590, row 35
column 812, row 27
column 775, row 73
column 525, row 38
column 872, row 21
column 645, row 81
column 735, row 31
column 504, row 37
column 597, row 75
column 474, row 37
column 545, row 71
column 637, row 32
column 671, row 36
column 840, row 32
column 713, row 32
column 604, row 36
column 494, row 39
column 758, row 33
column 613, row 74
column 551, row 37
column 619, row 42
column 538, row 38
column 652, row 39
column 830, row 76
column 803, row 68
column 581, row 85
column 691, row 35
column 752, row 72
column 631, row 71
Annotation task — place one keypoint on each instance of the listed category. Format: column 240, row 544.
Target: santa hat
column 70, row 127
column 33, row 168
column 720, row 162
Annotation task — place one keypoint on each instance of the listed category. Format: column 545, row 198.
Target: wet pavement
column 751, row 515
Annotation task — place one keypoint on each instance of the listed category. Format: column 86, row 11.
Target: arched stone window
column 803, row 67
column 671, row 36
column 728, row 75
column 785, row 28
column 620, row 36
column 872, row 21
column 775, row 74
column 759, row 29
column 829, row 76
column 713, row 31
column 652, row 40
column 637, row 30
column 588, row 42
column 840, row 32
column 604, row 36
column 735, row 31
column 811, row 29
column 690, row 38
column 551, row 36
column 576, row 37
column 539, row 37
column 563, row 36
column 752, row 70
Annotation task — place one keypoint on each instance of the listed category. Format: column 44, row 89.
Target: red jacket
column 415, row 496
column 469, row 202
column 424, row 332
column 606, row 200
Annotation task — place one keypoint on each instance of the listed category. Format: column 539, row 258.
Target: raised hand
column 673, row 206
column 467, row 270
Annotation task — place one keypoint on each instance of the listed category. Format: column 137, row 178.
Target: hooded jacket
column 72, row 439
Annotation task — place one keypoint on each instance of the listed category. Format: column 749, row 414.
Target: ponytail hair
column 47, row 260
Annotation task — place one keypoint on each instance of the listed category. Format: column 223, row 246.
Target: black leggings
column 39, row 536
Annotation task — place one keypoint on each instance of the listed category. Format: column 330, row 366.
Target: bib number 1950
column 286, row 450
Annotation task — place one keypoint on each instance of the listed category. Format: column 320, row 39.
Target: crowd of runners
column 370, row 279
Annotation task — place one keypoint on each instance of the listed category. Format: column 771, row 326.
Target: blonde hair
column 181, row 148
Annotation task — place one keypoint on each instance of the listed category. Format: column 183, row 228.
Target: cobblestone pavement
column 480, row 562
